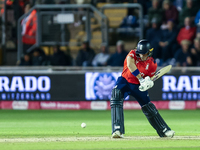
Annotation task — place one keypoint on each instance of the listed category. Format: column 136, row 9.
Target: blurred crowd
column 86, row 57
column 174, row 32
column 172, row 28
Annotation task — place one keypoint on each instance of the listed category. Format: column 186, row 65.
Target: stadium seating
column 115, row 16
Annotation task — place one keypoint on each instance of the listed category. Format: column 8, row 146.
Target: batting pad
column 117, row 116
column 155, row 119
column 117, row 112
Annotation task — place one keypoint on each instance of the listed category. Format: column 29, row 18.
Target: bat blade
column 161, row 72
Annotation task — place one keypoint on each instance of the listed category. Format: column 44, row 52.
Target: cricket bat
column 161, row 72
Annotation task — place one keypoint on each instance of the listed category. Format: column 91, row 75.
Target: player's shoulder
column 152, row 60
column 153, row 63
column 132, row 53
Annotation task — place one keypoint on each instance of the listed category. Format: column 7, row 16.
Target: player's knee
column 149, row 110
column 117, row 97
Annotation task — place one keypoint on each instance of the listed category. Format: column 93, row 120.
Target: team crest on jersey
column 136, row 61
column 142, row 74
column 147, row 67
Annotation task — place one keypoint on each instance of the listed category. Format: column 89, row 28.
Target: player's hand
column 145, row 84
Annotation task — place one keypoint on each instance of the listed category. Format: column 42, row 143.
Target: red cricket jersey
column 146, row 68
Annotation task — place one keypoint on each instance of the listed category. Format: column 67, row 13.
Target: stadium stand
column 77, row 31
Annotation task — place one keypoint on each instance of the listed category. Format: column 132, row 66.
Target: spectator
column 195, row 52
column 143, row 3
column 128, row 23
column 59, row 58
column 198, row 32
column 189, row 11
column 153, row 35
column 170, row 12
column 188, row 32
column 101, row 58
column 168, row 42
column 69, row 58
column 117, row 59
column 18, row 12
column 179, row 4
column 197, row 22
column 25, row 61
column 85, row 55
column 155, row 12
column 29, row 27
column 197, row 18
column 182, row 56
column 38, row 57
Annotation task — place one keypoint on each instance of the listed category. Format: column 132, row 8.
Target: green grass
column 53, row 129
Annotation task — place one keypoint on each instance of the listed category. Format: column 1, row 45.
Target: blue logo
column 98, row 86
column 103, row 86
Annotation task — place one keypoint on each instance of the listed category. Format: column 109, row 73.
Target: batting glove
column 145, row 84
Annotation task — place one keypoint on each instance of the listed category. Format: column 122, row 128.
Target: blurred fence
column 56, row 25
column 53, row 21
column 117, row 12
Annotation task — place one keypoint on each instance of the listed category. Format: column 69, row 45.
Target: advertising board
column 91, row 86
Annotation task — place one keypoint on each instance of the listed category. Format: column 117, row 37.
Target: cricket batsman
column 135, row 80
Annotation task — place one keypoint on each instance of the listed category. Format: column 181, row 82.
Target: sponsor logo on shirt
column 147, row 67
